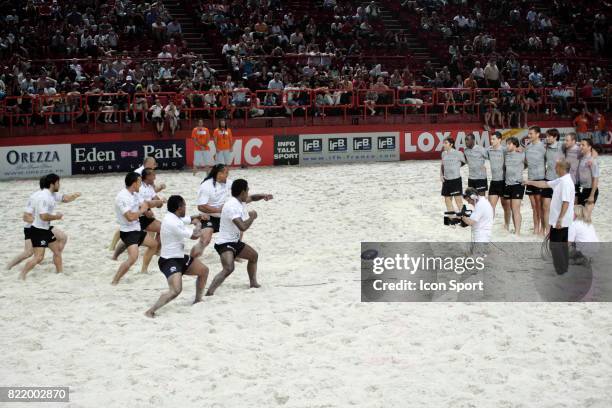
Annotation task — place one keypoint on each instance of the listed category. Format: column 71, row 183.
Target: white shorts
column 224, row 157
column 202, row 158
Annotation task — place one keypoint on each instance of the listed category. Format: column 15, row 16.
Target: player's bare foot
column 209, row 293
column 150, row 314
column 22, row 276
column 255, row 285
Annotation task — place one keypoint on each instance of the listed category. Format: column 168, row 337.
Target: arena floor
column 303, row 339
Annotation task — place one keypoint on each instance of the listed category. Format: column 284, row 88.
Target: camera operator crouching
column 481, row 219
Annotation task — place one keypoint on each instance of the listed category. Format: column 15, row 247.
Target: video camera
column 453, row 218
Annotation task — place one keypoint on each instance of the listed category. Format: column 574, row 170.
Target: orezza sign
column 286, row 150
column 34, row 161
column 93, row 158
column 349, row 147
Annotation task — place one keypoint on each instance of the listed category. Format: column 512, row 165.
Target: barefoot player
column 128, row 210
column 173, row 262
column 234, row 220
column 41, row 232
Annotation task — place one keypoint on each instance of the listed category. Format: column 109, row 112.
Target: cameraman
column 481, row 219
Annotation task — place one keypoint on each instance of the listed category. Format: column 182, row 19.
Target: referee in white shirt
column 561, row 213
column 172, row 261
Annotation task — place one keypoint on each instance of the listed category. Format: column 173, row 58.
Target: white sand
column 305, row 346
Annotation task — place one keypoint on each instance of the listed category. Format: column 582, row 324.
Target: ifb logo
column 386, row 143
column 313, row 145
column 362, row 144
column 338, row 144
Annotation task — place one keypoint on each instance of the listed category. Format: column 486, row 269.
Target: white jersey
column 228, row 231
column 146, row 192
column 214, row 195
column 29, row 205
column 43, row 202
column 124, row 202
column 173, row 233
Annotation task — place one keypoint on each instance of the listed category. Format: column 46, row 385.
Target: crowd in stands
column 60, row 59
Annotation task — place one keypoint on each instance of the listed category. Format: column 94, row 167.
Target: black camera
column 454, row 218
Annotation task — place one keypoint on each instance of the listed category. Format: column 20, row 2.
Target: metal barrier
column 455, row 97
column 143, row 101
column 109, row 105
column 297, row 98
column 340, row 99
column 239, row 99
column 18, row 108
column 415, row 98
column 61, row 107
column 372, row 99
column 269, row 100
column 203, row 101
column 562, row 97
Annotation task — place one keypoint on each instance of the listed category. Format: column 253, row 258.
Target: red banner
column 247, row 151
column 427, row 144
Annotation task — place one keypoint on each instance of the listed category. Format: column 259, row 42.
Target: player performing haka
column 128, row 209
column 173, row 262
column 42, row 234
column 148, row 223
column 212, row 194
column 234, row 220
column 149, row 163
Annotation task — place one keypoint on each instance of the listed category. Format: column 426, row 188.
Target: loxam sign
column 428, row 144
column 34, row 161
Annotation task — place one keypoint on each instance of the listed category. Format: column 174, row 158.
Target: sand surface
column 303, row 339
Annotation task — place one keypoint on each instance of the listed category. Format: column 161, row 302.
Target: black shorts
column 27, row 233
column 514, row 192
column 577, row 189
column 497, row 188
column 157, row 119
column 171, row 266
column 235, row 247
column 133, row 237
column 479, row 184
column 532, row 190
column 41, row 238
column 546, row 192
column 451, row 188
column 212, row 223
column 584, row 195
column 145, row 221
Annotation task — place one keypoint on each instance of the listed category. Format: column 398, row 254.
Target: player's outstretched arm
column 258, row 197
column 70, row 197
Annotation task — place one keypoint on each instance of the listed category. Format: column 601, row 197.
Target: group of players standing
column 508, row 161
column 221, row 205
